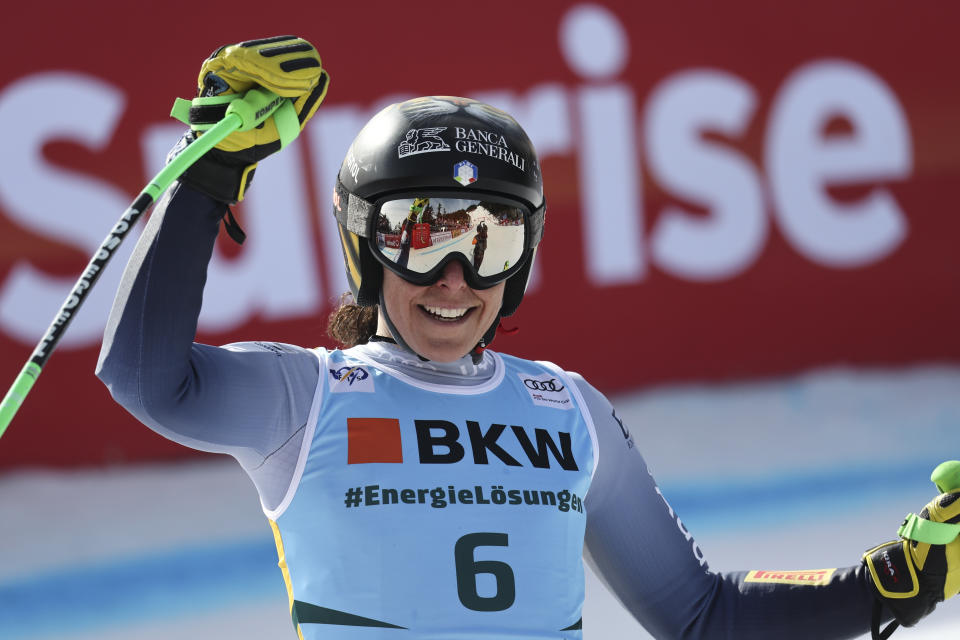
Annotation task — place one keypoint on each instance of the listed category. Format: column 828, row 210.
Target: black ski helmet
column 414, row 146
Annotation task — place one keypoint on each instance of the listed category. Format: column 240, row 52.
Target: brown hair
column 350, row 324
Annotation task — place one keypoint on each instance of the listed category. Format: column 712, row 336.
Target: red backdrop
column 733, row 191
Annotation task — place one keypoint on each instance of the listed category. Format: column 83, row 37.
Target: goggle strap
column 353, row 212
column 537, row 218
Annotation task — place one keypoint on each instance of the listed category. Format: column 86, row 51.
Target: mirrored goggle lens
column 415, row 235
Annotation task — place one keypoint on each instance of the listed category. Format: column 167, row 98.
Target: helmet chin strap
column 393, row 330
column 476, row 354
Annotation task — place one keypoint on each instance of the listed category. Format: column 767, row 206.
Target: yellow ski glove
column 286, row 65
column 913, row 574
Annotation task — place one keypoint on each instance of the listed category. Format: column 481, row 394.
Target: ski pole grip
column 254, row 107
column 259, row 104
column 947, row 476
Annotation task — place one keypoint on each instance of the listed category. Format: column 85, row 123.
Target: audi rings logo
column 543, row 385
column 546, row 390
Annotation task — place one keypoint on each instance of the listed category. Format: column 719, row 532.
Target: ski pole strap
column 920, row 530
column 201, row 114
column 875, row 632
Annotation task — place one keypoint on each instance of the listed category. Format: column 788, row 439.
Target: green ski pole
column 242, row 114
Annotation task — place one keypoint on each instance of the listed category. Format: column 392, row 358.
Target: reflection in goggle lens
column 414, row 235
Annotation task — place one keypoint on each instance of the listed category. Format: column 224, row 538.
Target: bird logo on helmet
column 381, row 163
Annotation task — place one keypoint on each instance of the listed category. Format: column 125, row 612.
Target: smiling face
column 443, row 321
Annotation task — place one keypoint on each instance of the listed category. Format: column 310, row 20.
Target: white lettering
column 480, row 135
column 544, row 113
column 727, row 240
column 61, row 204
column 594, row 42
column 595, row 45
column 718, row 234
column 610, row 182
column 471, row 143
column 802, row 163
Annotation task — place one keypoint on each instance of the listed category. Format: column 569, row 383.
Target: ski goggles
column 417, row 235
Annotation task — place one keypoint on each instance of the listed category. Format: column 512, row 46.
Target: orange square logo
column 373, row 440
